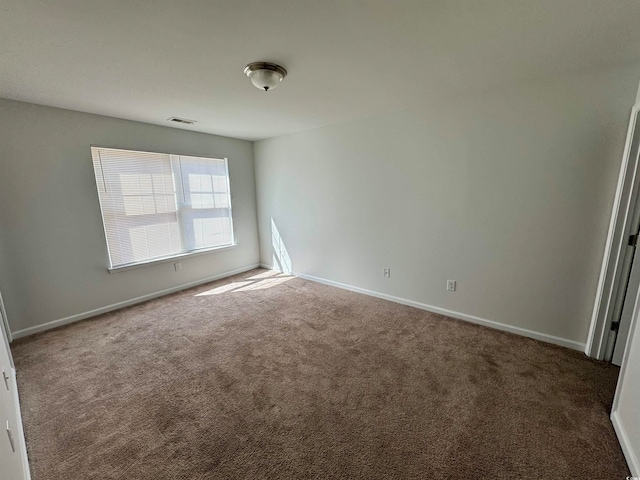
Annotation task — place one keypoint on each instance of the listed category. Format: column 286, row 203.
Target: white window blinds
column 157, row 205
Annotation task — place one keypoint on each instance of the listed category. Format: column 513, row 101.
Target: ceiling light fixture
column 264, row 75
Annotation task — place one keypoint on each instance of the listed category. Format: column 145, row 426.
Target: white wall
column 50, row 216
column 508, row 192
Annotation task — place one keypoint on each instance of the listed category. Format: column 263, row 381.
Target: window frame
column 180, row 255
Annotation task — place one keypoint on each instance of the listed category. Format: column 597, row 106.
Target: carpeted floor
column 267, row 376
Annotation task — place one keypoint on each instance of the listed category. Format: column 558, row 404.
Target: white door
column 629, row 283
column 624, row 415
column 617, row 262
column 627, row 311
column 11, row 465
column 13, row 452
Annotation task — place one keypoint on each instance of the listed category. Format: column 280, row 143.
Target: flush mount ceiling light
column 265, row 76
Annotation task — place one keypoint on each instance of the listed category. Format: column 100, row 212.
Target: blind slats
column 158, row 205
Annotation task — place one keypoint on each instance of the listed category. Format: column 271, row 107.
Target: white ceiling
column 148, row 60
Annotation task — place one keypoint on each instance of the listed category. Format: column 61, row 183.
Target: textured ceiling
column 148, row 60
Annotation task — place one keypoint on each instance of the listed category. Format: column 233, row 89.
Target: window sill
column 172, row 258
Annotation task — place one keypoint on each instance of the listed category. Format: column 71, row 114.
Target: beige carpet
column 262, row 376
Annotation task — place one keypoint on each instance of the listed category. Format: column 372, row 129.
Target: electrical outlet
column 387, row 273
column 451, row 285
column 177, row 266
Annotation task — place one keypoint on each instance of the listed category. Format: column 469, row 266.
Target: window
column 157, row 205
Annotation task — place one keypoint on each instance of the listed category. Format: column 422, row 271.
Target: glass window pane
column 142, row 214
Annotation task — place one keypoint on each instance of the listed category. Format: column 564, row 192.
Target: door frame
column 4, row 324
column 624, row 205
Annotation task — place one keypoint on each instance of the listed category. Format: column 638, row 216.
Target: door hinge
column 6, row 378
column 633, row 240
column 615, row 326
column 13, row 448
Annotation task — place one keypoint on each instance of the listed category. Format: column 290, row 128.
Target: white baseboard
column 629, row 455
column 92, row 313
column 564, row 342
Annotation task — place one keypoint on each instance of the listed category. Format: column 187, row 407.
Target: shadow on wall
column 281, row 259
column 260, row 281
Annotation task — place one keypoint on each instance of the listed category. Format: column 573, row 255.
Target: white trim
column 92, row 313
column 565, row 342
column 629, row 455
column 177, row 256
column 5, row 321
column 5, row 326
column 608, row 281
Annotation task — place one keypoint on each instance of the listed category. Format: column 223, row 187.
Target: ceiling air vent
column 181, row 120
